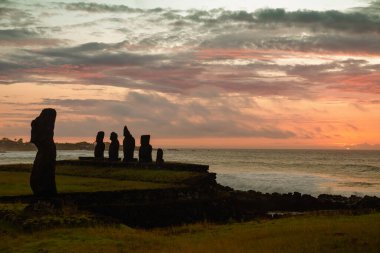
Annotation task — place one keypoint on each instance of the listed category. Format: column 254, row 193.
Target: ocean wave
column 362, row 167
column 358, row 184
column 276, row 182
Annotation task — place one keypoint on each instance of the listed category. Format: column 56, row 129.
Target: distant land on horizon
column 7, row 144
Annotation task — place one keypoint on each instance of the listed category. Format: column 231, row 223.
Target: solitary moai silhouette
column 42, row 178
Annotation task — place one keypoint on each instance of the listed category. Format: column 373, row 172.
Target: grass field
column 148, row 175
column 308, row 233
column 17, row 183
column 14, row 179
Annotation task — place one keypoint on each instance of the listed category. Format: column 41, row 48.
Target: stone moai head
column 126, row 131
column 113, row 136
column 100, row 137
column 160, row 156
column 43, row 127
column 144, row 140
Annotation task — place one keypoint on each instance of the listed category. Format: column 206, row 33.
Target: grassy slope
column 17, row 183
column 337, row 233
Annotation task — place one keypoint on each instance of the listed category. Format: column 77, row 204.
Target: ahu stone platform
column 90, row 161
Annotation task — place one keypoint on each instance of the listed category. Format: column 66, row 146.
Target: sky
column 200, row 74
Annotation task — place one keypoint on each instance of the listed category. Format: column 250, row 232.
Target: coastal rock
column 160, row 156
column 113, row 151
column 99, row 146
column 128, row 145
column 145, row 151
column 42, row 179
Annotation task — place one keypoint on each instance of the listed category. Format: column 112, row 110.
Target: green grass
column 17, row 183
column 147, row 175
column 309, row 233
column 45, row 216
column 14, row 179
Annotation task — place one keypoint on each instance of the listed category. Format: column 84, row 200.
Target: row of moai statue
column 42, row 179
column 145, row 151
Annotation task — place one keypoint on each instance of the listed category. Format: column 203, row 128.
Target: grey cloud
column 218, row 16
column 164, row 118
column 94, row 7
column 323, row 71
column 358, row 22
column 15, row 17
column 237, row 16
column 10, row 34
column 372, row 9
column 349, row 43
column 91, row 47
column 121, row 59
column 97, row 54
column 352, row 21
column 5, row 66
column 22, row 37
column 317, row 42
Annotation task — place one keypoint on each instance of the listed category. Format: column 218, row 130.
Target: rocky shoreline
column 203, row 200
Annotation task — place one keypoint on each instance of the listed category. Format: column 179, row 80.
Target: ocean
column 344, row 172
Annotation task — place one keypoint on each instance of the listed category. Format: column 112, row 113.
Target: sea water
column 314, row 172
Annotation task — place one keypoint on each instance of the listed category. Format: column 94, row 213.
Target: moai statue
column 99, row 146
column 160, row 156
column 128, row 145
column 42, row 179
column 113, row 151
column 145, row 151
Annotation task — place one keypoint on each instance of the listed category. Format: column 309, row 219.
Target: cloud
column 194, row 73
column 12, row 17
column 347, row 76
column 365, row 146
column 10, row 34
column 107, row 64
column 279, row 39
column 94, row 7
column 95, row 53
column 165, row 117
column 352, row 21
column 22, row 37
column 357, row 21
column 372, row 9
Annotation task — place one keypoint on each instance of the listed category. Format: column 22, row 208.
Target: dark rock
column 42, row 179
column 160, row 156
column 99, row 146
column 175, row 166
column 145, row 151
column 114, row 147
column 128, row 146
column 369, row 203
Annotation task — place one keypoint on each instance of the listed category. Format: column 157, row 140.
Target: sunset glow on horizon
column 196, row 75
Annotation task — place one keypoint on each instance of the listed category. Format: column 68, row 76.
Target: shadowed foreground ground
column 308, row 233
column 77, row 230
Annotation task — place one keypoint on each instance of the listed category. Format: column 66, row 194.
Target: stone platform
column 89, row 161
